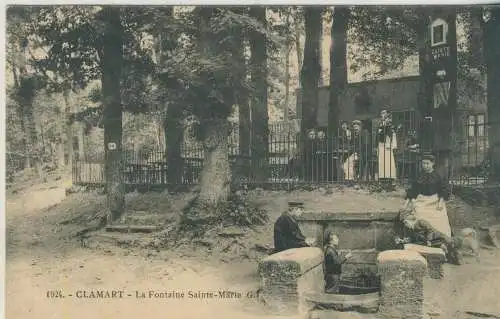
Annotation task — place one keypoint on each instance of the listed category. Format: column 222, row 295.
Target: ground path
column 40, row 258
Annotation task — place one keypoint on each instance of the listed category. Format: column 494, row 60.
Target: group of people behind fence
column 365, row 156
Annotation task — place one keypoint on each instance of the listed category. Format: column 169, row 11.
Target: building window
column 480, row 125
column 476, row 125
column 439, row 31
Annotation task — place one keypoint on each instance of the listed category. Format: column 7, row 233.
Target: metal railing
column 316, row 158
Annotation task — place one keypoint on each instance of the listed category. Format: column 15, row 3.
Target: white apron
column 386, row 161
column 348, row 167
column 426, row 209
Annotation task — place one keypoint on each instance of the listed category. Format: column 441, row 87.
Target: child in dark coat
column 333, row 262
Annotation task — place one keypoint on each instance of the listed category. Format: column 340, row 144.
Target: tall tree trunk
column 59, row 146
column 60, row 154
column 492, row 54
column 259, row 112
column 215, row 177
column 242, row 168
column 81, row 141
column 309, row 78
column 25, row 139
column 244, row 123
column 34, row 151
column 174, row 138
column 242, row 97
column 112, row 56
column 297, row 33
column 19, row 111
column 311, row 69
column 321, row 81
column 286, row 111
column 476, row 38
column 172, row 126
column 27, row 91
column 338, row 65
column 69, row 128
column 216, row 174
column 425, row 94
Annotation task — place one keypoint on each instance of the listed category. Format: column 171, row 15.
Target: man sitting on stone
column 287, row 234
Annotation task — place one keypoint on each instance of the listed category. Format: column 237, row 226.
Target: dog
column 467, row 239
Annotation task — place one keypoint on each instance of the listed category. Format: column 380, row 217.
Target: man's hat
column 429, row 157
column 356, row 122
column 296, row 204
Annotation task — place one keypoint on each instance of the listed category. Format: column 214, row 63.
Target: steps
column 123, row 240
column 364, row 303
column 330, row 314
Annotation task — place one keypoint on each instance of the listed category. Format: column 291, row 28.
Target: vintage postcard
column 324, row 161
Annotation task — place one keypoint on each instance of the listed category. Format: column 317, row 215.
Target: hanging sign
column 111, row 146
column 440, row 48
column 441, row 94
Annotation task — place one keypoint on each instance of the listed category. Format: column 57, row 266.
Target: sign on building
column 441, row 94
column 443, row 59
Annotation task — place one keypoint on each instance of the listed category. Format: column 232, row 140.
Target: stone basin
column 356, row 230
column 359, row 273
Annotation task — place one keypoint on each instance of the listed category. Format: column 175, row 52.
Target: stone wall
column 356, row 231
column 402, row 291
column 287, row 276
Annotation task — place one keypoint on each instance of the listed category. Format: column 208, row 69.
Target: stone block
column 288, row 275
column 401, row 284
column 312, row 229
column 435, row 258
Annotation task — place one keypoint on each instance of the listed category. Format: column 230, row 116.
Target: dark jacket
column 333, row 261
column 287, row 234
column 428, row 184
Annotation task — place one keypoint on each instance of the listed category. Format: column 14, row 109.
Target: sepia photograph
column 252, row 161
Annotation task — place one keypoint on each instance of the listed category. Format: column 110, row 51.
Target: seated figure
column 422, row 233
column 287, row 234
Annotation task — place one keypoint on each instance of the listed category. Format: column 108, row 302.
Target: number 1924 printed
column 52, row 294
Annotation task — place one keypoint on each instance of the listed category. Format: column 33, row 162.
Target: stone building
column 364, row 100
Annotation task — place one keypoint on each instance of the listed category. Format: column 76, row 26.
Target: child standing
column 333, row 262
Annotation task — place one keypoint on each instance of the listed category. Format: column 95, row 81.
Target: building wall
column 363, row 100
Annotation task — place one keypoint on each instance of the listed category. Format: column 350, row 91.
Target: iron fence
column 318, row 157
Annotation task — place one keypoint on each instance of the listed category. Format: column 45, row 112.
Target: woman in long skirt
column 387, row 143
column 427, row 197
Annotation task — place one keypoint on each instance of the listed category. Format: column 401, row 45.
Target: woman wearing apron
column 387, row 143
column 427, row 197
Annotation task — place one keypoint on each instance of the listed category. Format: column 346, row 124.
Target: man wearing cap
column 361, row 146
column 287, row 234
